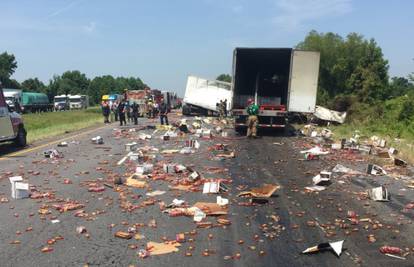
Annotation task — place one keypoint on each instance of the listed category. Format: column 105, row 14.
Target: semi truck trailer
column 281, row 81
column 35, row 102
column 202, row 95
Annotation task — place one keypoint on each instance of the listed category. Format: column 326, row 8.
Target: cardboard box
column 19, row 189
column 144, row 169
column 131, row 147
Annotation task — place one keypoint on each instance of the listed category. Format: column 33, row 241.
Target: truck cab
column 13, row 99
column 78, row 101
column 11, row 124
column 61, row 102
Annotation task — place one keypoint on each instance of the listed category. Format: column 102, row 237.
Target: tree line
column 70, row 82
column 353, row 69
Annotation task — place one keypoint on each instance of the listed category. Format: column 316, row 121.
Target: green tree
column 34, row 84
column 349, row 66
column 74, row 82
column 11, row 83
column 224, row 78
column 398, row 86
column 100, row 86
column 8, row 66
column 71, row 82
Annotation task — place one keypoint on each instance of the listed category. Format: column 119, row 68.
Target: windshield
column 60, row 99
column 75, row 100
column 9, row 98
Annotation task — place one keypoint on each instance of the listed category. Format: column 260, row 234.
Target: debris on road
column 264, row 191
column 379, row 194
column 167, row 247
column 98, row 140
column 375, row 170
column 19, row 189
column 336, row 247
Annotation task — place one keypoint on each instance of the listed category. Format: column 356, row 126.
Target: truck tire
column 240, row 130
column 186, row 110
column 21, row 137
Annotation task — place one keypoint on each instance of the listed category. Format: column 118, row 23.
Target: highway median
column 50, row 124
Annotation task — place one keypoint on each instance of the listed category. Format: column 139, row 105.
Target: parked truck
column 281, row 81
column 202, row 95
column 170, row 98
column 11, row 124
column 61, row 102
column 140, row 97
column 35, row 102
column 78, row 101
column 13, row 98
column 26, row 102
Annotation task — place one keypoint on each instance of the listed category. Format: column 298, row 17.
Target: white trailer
column 202, row 95
column 78, row 101
column 281, row 81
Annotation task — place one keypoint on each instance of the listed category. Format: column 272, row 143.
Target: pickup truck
column 11, row 124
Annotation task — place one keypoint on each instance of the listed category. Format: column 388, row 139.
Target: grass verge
column 403, row 143
column 49, row 124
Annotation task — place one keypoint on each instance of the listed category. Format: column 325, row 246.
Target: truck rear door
column 6, row 127
column 303, row 82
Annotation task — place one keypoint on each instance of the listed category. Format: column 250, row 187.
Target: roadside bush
column 343, row 102
column 406, row 114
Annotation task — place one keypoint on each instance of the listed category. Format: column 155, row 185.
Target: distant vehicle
column 11, row 124
column 115, row 97
column 61, row 102
column 140, row 97
column 170, row 98
column 35, row 102
column 202, row 95
column 281, row 81
column 13, row 98
column 78, row 102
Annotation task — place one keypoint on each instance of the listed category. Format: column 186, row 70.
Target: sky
column 164, row 41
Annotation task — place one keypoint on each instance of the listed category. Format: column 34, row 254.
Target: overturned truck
column 281, row 81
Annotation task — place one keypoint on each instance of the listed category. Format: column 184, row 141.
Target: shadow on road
column 288, row 131
column 8, row 148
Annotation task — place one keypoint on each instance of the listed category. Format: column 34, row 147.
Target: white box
column 18, row 189
column 21, row 190
column 144, row 169
column 169, row 168
column 211, row 187
column 131, row 147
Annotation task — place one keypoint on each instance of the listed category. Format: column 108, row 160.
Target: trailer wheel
column 240, row 130
column 186, row 110
column 21, row 137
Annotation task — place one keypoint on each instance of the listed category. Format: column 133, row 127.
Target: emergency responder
column 106, row 111
column 225, row 107
column 163, row 112
column 135, row 111
column 121, row 112
column 220, row 109
column 115, row 109
column 128, row 112
column 150, row 109
column 252, row 120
